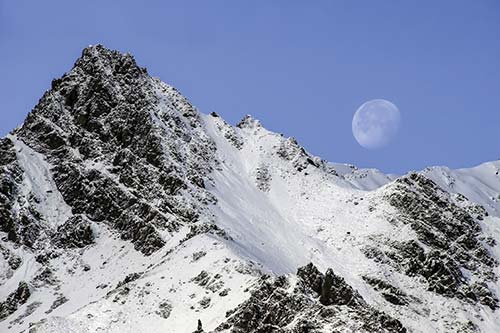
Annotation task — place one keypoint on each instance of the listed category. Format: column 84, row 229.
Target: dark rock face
column 451, row 235
column 21, row 225
column 389, row 292
column 203, row 228
column 14, row 261
column 228, row 131
column 60, row 300
column 10, row 178
column 335, row 290
column 290, row 150
column 199, row 328
column 74, row 233
column 318, row 302
column 14, row 300
column 120, row 141
column 7, row 152
column 164, row 309
column 263, row 178
column 210, row 282
column 129, row 278
column 311, row 277
column 45, row 277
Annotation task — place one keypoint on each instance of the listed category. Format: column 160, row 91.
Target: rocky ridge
column 316, row 302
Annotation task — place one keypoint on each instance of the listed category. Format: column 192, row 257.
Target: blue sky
column 301, row 67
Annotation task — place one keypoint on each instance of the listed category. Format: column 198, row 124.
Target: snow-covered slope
column 124, row 209
column 480, row 184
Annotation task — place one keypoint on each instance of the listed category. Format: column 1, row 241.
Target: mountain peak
column 103, row 85
column 249, row 122
column 98, row 60
column 107, row 120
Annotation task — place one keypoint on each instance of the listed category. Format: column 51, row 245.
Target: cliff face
column 122, row 207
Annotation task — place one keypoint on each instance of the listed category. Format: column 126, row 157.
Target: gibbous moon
column 376, row 123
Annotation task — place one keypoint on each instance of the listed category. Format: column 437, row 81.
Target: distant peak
column 249, row 122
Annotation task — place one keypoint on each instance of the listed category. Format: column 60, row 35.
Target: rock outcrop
column 447, row 243
column 316, row 302
column 14, row 300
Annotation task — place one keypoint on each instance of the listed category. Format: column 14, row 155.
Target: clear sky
column 301, row 67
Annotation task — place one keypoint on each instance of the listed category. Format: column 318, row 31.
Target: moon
column 376, row 123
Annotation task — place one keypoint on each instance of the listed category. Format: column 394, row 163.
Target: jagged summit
column 99, row 57
column 122, row 207
column 102, row 63
column 249, row 122
column 107, row 120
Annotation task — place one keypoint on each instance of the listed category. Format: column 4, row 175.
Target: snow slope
column 480, row 184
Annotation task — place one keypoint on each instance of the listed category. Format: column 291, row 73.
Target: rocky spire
column 99, row 59
column 123, row 145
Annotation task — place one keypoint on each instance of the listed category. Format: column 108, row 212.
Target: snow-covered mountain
column 124, row 209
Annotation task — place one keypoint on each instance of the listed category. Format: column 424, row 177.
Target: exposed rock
column 60, row 300
column 205, row 302
column 317, row 303
column 224, row 292
column 164, row 309
column 13, row 260
column 14, row 300
column 74, row 233
column 290, row 150
column 388, row 291
column 45, row 277
column 30, row 309
column 311, row 277
column 248, row 122
column 129, row 278
column 211, row 283
column 198, row 229
column 263, row 178
column 202, row 278
column 228, row 132
column 11, row 177
column 198, row 255
column 199, row 328
column 449, row 232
